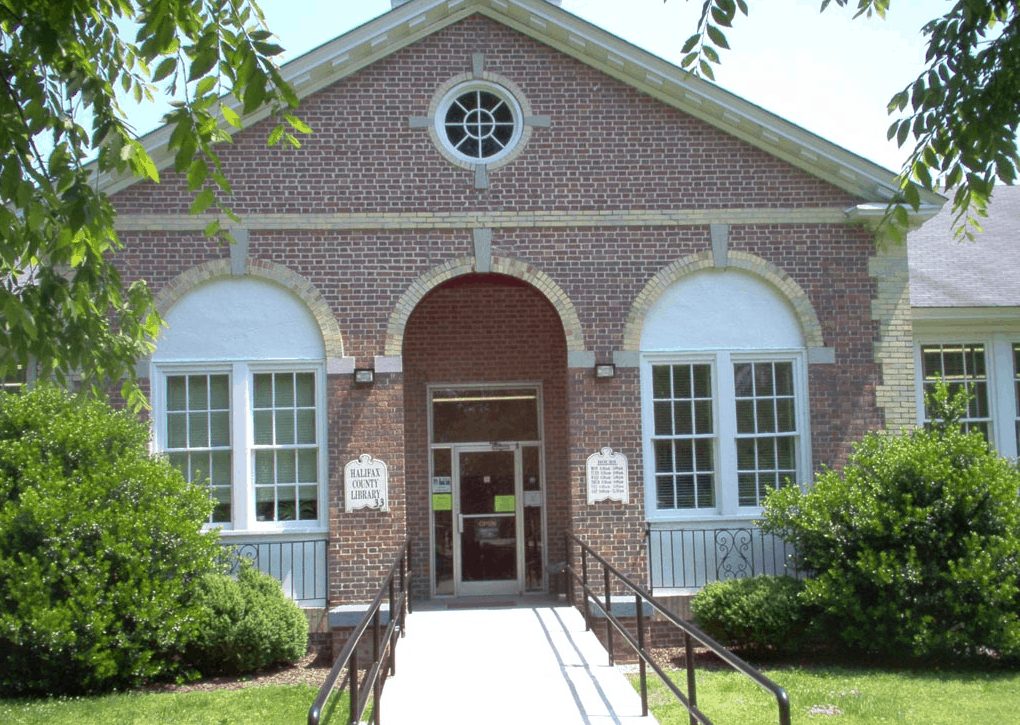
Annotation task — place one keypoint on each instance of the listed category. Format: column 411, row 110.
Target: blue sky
column 825, row 72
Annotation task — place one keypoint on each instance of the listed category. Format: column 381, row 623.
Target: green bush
column 100, row 545
column 761, row 614
column 247, row 623
column 914, row 548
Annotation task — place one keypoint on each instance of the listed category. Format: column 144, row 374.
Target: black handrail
column 384, row 647
column 691, row 632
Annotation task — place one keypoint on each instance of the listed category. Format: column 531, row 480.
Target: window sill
column 272, row 534
column 701, row 520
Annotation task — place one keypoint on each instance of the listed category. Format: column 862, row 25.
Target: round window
column 479, row 122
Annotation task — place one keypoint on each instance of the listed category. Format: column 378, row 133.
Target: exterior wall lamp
column 605, row 370
column 364, row 376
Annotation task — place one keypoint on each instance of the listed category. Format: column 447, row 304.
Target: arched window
column 238, row 399
column 723, row 396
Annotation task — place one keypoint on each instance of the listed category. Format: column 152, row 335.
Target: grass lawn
column 264, row 705
column 848, row 695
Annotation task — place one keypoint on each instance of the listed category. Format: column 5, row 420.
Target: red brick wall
column 609, row 148
column 484, row 328
column 363, row 543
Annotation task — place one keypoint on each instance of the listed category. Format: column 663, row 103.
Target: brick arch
column 764, row 270
column 500, row 265
column 260, row 269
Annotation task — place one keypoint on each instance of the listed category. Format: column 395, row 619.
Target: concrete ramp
column 525, row 663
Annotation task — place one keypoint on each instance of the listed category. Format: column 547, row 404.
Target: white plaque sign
column 608, row 479
column 366, row 484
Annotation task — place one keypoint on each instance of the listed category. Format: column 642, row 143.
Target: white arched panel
column 721, row 309
column 239, row 319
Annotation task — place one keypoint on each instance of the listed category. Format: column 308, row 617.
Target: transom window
column 960, row 366
column 479, row 122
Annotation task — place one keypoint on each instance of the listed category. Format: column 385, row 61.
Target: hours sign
column 608, row 479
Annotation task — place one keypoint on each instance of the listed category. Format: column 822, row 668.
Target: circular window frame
column 491, row 83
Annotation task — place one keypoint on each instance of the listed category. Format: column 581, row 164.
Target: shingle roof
column 982, row 273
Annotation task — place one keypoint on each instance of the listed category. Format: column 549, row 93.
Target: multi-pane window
column 766, row 428
column 286, row 451
column 961, row 367
column 683, row 437
column 724, row 429
column 198, row 435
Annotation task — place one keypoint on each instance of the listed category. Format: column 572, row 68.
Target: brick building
column 515, row 247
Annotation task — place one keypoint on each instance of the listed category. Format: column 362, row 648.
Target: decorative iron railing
column 683, row 558
column 594, row 582
column 299, row 566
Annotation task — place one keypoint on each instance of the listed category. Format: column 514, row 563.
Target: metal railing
column 395, row 589
column 642, row 599
column 299, row 566
column 691, row 558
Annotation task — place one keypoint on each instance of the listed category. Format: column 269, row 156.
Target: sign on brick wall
column 366, row 484
column 608, row 479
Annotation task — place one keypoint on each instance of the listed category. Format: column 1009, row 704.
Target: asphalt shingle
column 945, row 272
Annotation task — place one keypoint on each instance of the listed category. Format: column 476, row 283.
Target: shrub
column 99, row 547
column 915, row 546
column 761, row 614
column 247, row 623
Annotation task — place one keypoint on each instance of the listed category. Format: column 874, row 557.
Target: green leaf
column 202, row 63
column 230, row 116
column 275, row 135
column 717, row 37
column 902, row 133
column 203, row 200
column 706, row 70
column 141, row 162
column 164, row 69
column 297, row 124
column 197, row 173
column 205, row 85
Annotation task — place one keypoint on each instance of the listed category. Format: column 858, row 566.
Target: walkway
column 530, row 663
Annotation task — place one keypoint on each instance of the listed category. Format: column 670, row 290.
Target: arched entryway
column 485, row 371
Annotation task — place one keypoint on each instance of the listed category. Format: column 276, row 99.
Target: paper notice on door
column 532, row 498
column 442, row 484
column 504, row 505
column 442, row 502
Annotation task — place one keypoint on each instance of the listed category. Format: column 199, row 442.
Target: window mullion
column 726, row 414
column 1002, row 396
column 241, row 441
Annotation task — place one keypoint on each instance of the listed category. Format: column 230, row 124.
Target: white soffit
column 593, row 46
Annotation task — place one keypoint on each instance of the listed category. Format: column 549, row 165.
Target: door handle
column 460, row 524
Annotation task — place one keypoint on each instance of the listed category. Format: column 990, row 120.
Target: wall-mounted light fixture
column 364, row 376
column 605, row 370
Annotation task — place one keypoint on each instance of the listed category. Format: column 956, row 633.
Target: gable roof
column 946, row 273
column 589, row 44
